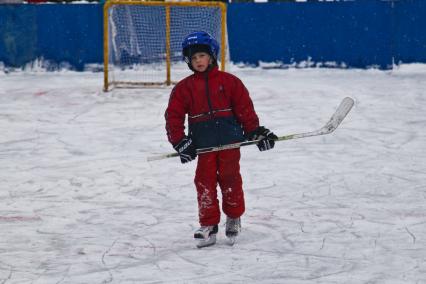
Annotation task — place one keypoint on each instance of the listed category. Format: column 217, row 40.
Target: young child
column 220, row 111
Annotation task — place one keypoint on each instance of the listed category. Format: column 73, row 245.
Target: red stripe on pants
column 221, row 168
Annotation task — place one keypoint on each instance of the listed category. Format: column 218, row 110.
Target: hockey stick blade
column 340, row 114
column 334, row 122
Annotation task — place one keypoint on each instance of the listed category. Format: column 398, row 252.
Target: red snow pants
column 223, row 168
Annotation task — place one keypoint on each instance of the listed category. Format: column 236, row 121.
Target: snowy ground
column 80, row 204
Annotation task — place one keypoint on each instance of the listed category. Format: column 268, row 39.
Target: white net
column 137, row 40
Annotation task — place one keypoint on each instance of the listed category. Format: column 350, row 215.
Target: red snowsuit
column 220, row 112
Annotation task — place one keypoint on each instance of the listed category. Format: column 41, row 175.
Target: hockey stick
column 335, row 120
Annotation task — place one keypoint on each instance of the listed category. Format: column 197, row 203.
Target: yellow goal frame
column 167, row 6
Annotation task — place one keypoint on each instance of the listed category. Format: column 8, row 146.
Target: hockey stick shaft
column 335, row 120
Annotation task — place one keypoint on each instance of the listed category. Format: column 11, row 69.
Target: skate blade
column 231, row 240
column 207, row 242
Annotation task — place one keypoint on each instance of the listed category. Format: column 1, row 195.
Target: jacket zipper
column 211, row 109
column 208, row 95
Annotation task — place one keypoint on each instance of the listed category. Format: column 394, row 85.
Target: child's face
column 200, row 61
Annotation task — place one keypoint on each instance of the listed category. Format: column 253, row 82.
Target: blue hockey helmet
column 199, row 42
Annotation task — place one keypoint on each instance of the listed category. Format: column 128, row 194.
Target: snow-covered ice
column 80, row 203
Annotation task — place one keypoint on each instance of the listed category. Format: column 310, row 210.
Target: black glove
column 267, row 138
column 186, row 150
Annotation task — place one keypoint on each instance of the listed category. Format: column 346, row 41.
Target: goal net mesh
column 139, row 36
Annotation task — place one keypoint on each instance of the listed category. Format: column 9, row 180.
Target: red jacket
column 219, row 108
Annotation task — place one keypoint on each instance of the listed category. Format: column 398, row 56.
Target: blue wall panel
column 357, row 33
column 70, row 33
column 58, row 33
column 409, row 23
column 18, row 34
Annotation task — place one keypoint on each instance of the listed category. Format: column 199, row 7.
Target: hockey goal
column 142, row 40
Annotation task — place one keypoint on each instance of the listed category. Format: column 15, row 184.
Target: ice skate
column 233, row 227
column 206, row 236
